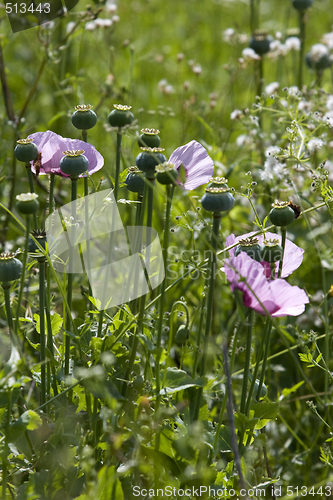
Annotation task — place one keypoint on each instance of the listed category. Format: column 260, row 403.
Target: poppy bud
column 149, row 138
column 302, row 4
column 271, row 251
column 260, row 42
column 166, row 173
column 10, row 267
column 281, row 214
column 74, row 163
column 134, row 180
column 251, row 247
column 182, row 334
column 217, row 199
column 148, row 159
column 121, row 116
column 26, row 150
column 84, row 117
column 27, row 203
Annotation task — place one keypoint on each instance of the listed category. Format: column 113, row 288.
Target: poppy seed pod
column 74, row 163
column 26, row 150
column 27, row 203
column 251, row 247
column 148, row 159
column 121, row 116
column 302, row 4
column 271, row 251
column 40, row 236
column 166, row 173
column 260, row 42
column 217, row 199
column 281, row 214
column 10, row 267
column 84, row 117
column 318, row 58
column 134, row 180
column 149, row 138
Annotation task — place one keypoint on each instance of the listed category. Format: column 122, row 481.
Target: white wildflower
column 293, row 43
column 69, row 27
column 110, row 6
column 329, row 103
column 271, row 88
column 236, row 114
column 228, row 34
column 328, row 40
column 91, row 25
column 249, row 54
column 314, row 144
column 318, row 51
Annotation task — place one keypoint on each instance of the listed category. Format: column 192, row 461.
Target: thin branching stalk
column 6, row 446
column 247, row 361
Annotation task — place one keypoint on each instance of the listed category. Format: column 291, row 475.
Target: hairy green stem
column 118, row 156
column 70, row 281
column 247, row 361
column 301, row 52
column 32, row 190
column 212, row 278
column 283, row 244
column 42, row 328
column 6, row 446
column 169, row 193
column 24, row 263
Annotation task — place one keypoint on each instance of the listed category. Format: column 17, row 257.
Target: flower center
column 24, row 141
column 83, row 107
column 27, row 197
column 72, row 152
column 248, row 242
column 150, row 131
column 122, row 107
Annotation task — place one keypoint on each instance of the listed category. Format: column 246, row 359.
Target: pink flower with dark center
column 276, row 296
column 51, row 147
column 198, row 164
column 292, row 259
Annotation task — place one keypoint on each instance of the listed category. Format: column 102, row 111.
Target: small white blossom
column 110, row 6
column 70, row 27
column 271, row 88
column 249, row 54
column 305, row 106
column 293, row 90
column 91, row 25
column 315, row 144
column 103, row 23
column 293, row 43
column 243, row 140
column 318, row 51
column 228, row 34
column 328, row 40
column 236, row 114
column 329, row 103
column 115, row 19
column 197, row 69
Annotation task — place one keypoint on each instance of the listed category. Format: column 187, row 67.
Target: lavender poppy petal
column 96, row 160
column 290, row 300
column 50, row 145
column 198, row 164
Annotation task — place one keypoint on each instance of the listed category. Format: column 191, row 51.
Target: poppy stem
column 24, row 263
column 247, row 361
column 118, row 156
column 267, row 336
column 301, row 52
column 283, row 244
column 42, row 327
column 70, row 280
column 209, row 313
column 169, row 193
column 6, row 445
column 32, row 190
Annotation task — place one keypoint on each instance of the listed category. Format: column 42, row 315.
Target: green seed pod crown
column 10, row 267
column 149, row 138
column 281, row 214
column 260, row 42
column 134, row 180
column 27, row 203
column 84, row 117
column 148, row 159
column 251, row 247
column 217, row 199
column 26, row 150
column 121, row 116
column 217, row 182
column 166, row 173
column 74, row 163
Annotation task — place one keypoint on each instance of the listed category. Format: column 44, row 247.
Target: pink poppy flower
column 51, row 146
column 276, row 296
column 292, row 259
column 198, row 164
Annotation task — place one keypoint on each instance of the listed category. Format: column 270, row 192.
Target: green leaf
column 178, row 380
column 292, row 389
column 243, row 423
column 225, row 439
column 56, row 323
column 265, row 410
column 28, row 421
